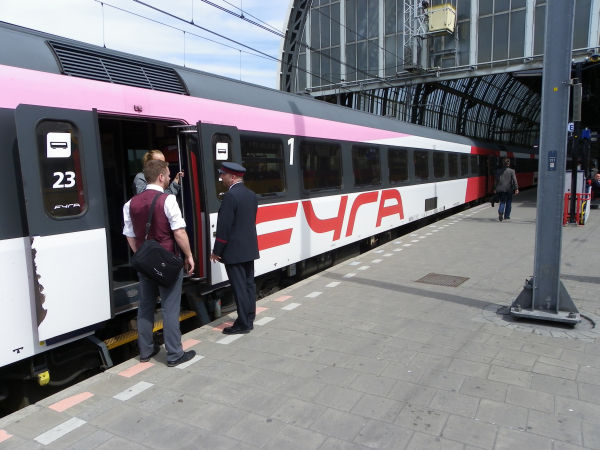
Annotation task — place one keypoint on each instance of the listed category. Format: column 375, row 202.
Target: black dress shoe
column 155, row 350
column 184, row 358
column 236, row 330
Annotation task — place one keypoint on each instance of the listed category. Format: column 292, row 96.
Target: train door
column 65, row 205
column 219, row 143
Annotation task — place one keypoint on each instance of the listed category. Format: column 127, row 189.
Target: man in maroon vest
column 168, row 228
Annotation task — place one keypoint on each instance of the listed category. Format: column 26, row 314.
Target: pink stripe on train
column 24, row 86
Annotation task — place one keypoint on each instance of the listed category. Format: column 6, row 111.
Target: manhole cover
column 442, row 280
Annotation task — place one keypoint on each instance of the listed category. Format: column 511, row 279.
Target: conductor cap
column 233, row 169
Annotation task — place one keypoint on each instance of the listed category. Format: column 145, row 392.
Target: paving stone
column 555, row 371
column 511, row 439
column 470, row 432
column 478, row 387
column 554, row 385
column 381, row 435
column 379, row 408
column 529, row 398
column 589, row 392
column 583, row 410
column 591, row 434
column 510, row 376
column 421, row 441
column 469, row 368
column 411, row 393
column 339, row 424
column 373, row 384
column 424, row 419
column 254, row 429
column 452, row 402
column 338, row 397
column 298, row 412
column 295, row 438
column 561, row 428
column 499, row 413
column 442, row 379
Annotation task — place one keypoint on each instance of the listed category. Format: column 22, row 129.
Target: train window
column 483, row 165
column 222, row 150
column 60, row 161
column 452, row 165
column 439, row 164
column 321, row 165
column 421, row 164
column 398, row 165
column 474, row 164
column 464, row 165
column 366, row 166
column 263, row 160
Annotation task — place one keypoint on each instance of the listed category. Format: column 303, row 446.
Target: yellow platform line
column 132, row 335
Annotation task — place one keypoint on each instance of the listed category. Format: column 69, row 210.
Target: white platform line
column 363, row 267
column 349, row 275
column 291, row 306
column 229, row 339
column 406, row 245
column 378, row 251
column 59, row 431
column 190, row 362
column 333, row 284
column 354, row 263
column 376, row 261
column 397, row 249
column 263, row 321
column 387, row 254
column 313, row 294
column 133, row 390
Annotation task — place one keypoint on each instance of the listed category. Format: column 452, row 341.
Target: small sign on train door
column 58, row 145
column 222, row 151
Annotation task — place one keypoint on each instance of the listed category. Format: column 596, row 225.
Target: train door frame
column 73, row 288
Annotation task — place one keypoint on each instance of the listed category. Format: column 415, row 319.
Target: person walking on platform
column 236, row 244
column 168, row 228
column 506, row 184
column 139, row 181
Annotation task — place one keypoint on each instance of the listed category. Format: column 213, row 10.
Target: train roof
column 35, row 50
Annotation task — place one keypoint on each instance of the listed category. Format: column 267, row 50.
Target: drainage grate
column 442, row 280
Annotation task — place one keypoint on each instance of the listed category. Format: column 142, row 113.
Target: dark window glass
column 452, row 165
column 582, row 22
column 421, row 164
column 474, row 164
column 60, row 166
column 463, row 9
column 517, row 33
column 398, row 165
column 263, row 160
column 222, row 150
column 321, row 165
column 501, row 5
column 538, row 30
column 500, row 43
column 483, row 164
column 366, row 166
column 439, row 164
column 484, row 45
column 485, row 7
column 464, row 165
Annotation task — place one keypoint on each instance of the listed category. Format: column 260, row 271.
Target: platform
column 368, row 354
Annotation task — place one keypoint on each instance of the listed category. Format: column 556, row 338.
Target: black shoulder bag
column 153, row 260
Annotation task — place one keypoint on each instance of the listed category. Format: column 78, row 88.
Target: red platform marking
column 223, row 325
column 4, row 436
column 260, row 309
column 68, row 402
column 283, row 298
column 134, row 370
column 189, row 343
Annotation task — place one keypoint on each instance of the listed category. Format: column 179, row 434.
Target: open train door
column 63, row 186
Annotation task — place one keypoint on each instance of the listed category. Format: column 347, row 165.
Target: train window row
column 321, row 164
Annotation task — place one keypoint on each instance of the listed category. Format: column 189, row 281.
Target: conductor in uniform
column 236, row 244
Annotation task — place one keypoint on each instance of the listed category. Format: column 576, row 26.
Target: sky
column 154, row 34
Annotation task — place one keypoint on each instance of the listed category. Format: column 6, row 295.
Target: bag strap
column 148, row 224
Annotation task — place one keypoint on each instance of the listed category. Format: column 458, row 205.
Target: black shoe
column 492, row 203
column 507, row 218
column 500, row 217
column 184, row 358
column 236, row 330
column 154, row 352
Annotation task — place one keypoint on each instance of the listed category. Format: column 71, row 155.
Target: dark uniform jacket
column 236, row 240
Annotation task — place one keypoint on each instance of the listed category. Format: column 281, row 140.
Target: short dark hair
column 153, row 168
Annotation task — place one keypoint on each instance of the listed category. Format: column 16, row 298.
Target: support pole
column 544, row 297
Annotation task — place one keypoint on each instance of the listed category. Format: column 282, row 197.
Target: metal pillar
column 544, row 297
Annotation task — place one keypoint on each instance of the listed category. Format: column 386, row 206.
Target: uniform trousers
column 170, row 300
column 241, row 277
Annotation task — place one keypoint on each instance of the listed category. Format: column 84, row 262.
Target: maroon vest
column 160, row 230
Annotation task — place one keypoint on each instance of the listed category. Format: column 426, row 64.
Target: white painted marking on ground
column 333, row 284
column 263, row 321
column 133, row 391
column 387, row 254
column 378, row 251
column 314, row 294
column 354, row 263
column 398, row 242
column 376, row 261
column 435, row 231
column 229, row 339
column 291, row 306
column 363, row 267
column 415, row 240
column 59, row 431
column 398, row 249
column 349, row 275
column 429, row 234
column 406, row 245
column 195, row 359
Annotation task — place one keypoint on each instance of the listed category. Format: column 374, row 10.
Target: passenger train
column 75, row 121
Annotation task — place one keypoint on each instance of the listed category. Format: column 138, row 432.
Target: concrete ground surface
column 365, row 356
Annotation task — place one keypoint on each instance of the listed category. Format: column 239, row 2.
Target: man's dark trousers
column 241, row 277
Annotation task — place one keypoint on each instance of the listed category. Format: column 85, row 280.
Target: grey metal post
column 544, row 297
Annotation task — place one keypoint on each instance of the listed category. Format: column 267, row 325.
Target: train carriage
column 75, row 120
